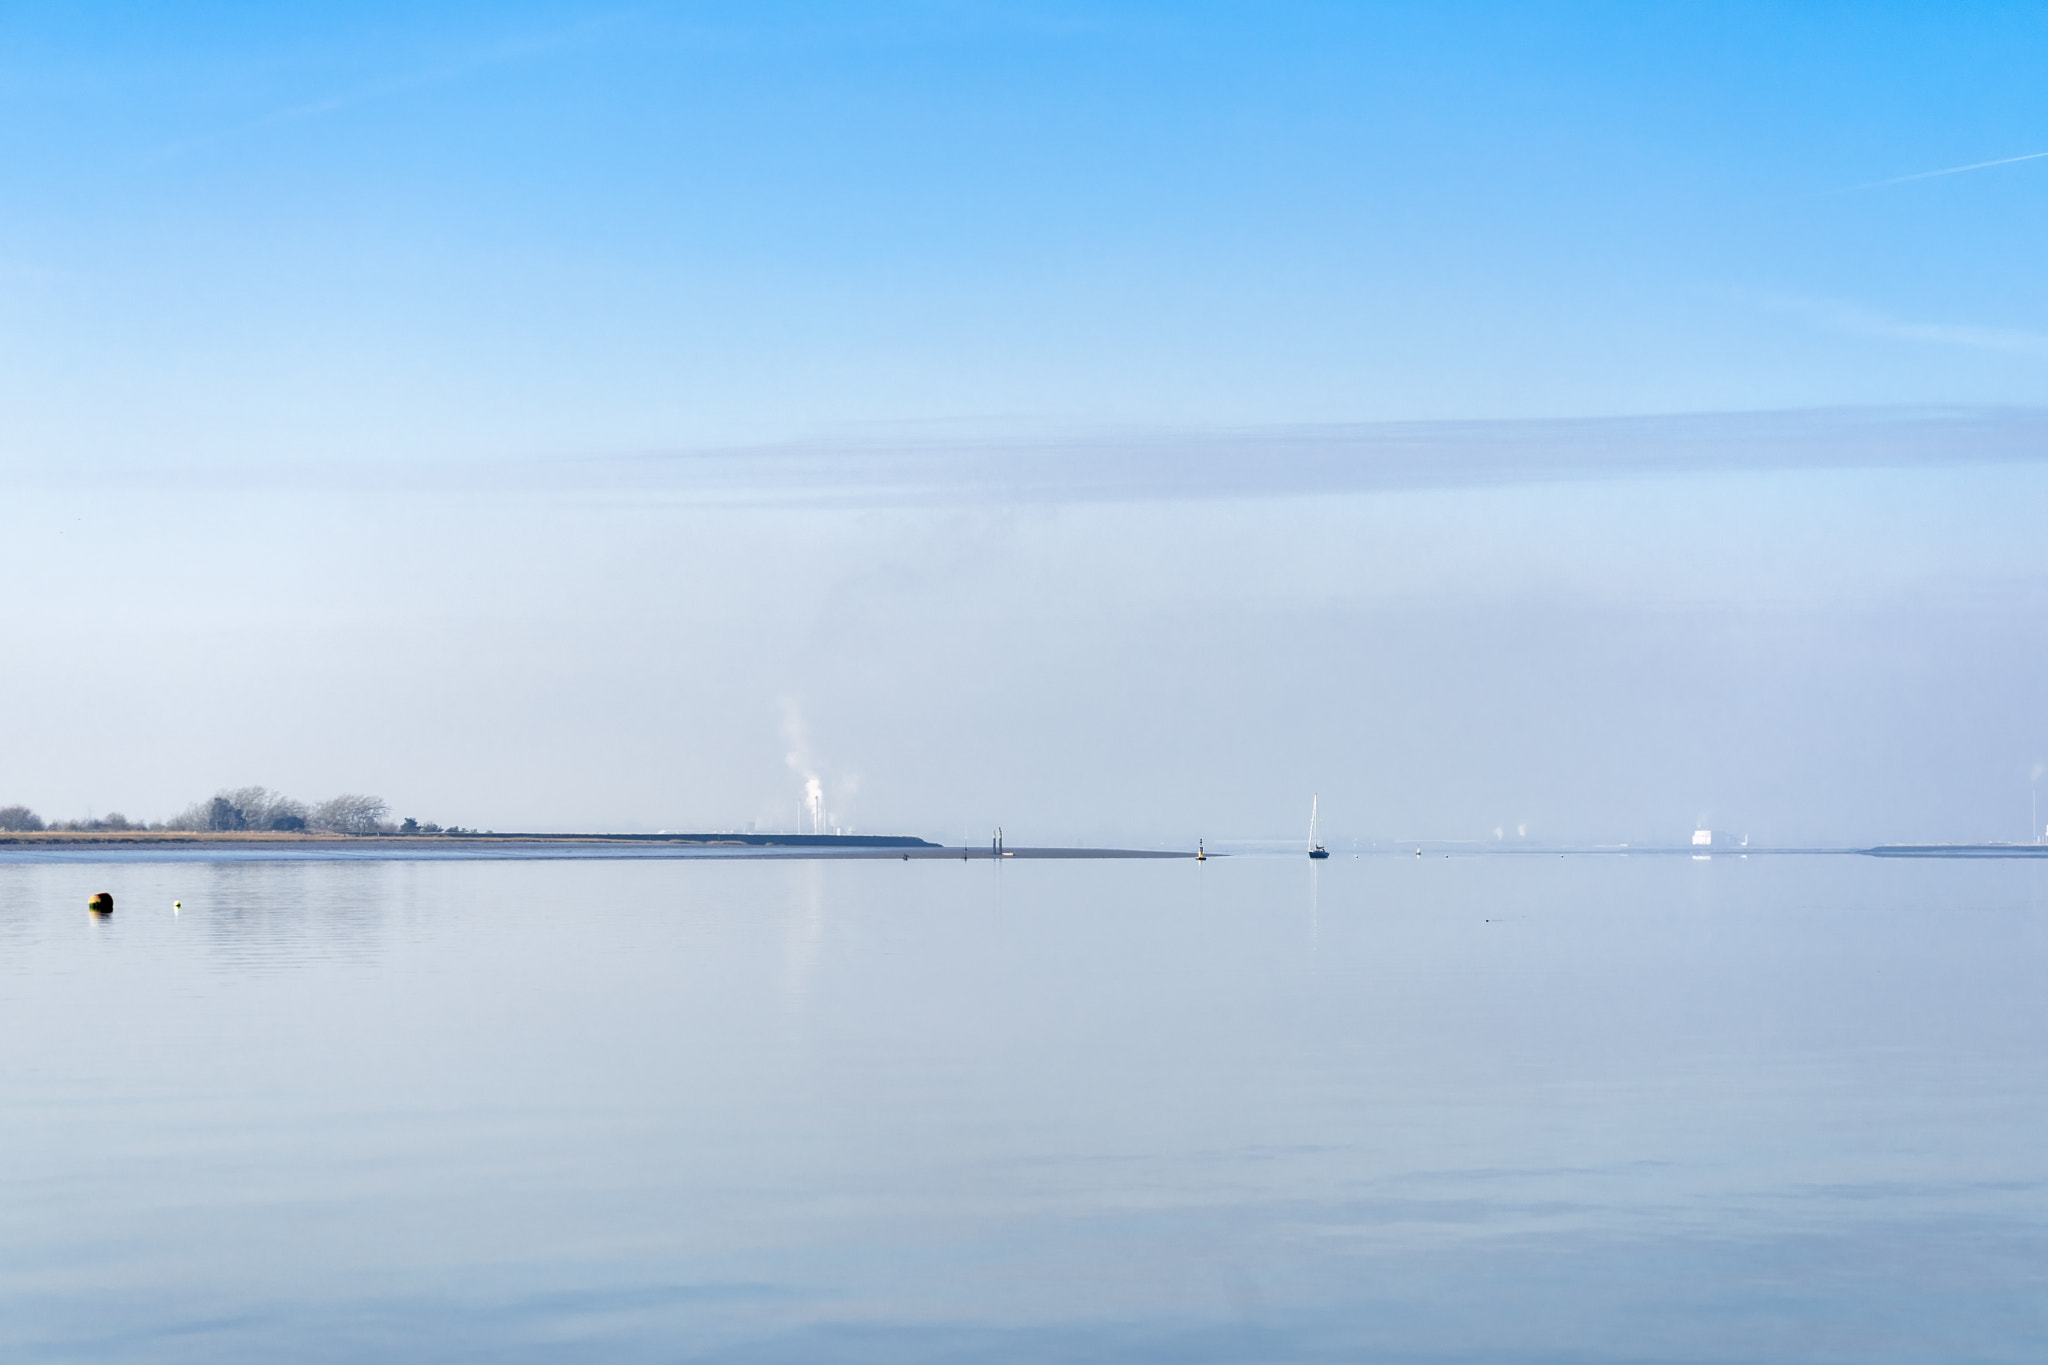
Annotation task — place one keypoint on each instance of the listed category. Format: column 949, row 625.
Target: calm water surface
column 1471, row 1109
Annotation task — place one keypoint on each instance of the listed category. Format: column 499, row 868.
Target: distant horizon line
column 790, row 843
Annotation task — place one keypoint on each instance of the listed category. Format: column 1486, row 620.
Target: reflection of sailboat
column 1315, row 850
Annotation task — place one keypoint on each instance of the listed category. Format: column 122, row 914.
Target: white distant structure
column 1702, row 838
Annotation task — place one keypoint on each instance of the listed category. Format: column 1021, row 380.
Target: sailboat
column 1315, row 850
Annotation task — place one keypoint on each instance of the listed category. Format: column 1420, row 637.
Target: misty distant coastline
column 260, row 838
column 391, row 843
column 260, row 845
column 247, row 821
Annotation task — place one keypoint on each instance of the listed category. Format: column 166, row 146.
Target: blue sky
column 507, row 231
column 559, row 416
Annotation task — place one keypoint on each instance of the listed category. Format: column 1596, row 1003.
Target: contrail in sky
column 1952, row 170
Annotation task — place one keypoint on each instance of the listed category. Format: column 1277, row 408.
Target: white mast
column 1312, row 821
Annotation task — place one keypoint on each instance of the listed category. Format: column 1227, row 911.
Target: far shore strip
column 780, row 845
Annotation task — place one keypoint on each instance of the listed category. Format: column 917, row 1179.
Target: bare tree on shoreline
column 242, row 808
column 351, row 814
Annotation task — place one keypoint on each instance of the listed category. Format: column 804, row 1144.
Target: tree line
column 239, row 809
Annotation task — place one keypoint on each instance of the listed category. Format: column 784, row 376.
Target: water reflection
column 803, row 933
column 1315, row 902
column 1492, row 1109
column 283, row 915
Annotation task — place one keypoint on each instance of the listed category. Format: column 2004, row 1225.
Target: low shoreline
column 487, row 843
column 198, row 845
column 269, row 837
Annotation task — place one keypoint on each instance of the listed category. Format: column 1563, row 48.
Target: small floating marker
column 176, row 906
column 101, row 904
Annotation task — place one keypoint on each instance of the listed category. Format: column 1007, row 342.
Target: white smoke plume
column 796, row 737
column 815, row 817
